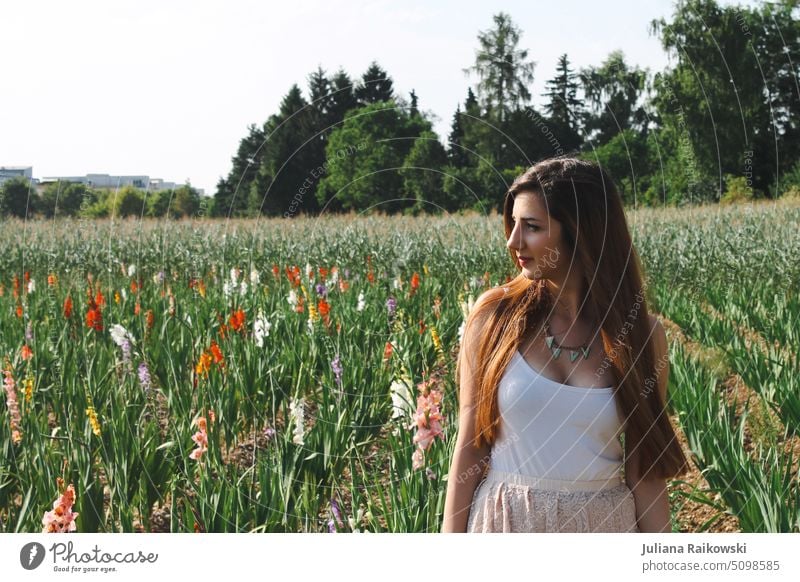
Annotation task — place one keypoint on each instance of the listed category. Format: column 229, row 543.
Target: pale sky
column 168, row 88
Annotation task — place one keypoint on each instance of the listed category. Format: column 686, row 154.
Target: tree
column 724, row 91
column 128, row 201
column 563, row 106
column 343, row 98
column 62, row 198
column 375, row 86
column 231, row 198
column 502, row 69
column 613, row 91
column 187, row 201
column 17, row 198
column 364, row 158
column 278, row 187
column 422, row 174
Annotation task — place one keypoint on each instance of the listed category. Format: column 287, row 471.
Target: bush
column 736, row 190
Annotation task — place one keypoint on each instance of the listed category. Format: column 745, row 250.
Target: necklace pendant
column 549, row 341
column 585, row 353
column 556, row 353
column 573, row 356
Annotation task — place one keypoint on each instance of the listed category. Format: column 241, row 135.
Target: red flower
column 94, row 319
column 67, row 306
column 415, row 281
column 149, row 318
column 26, row 352
column 237, row 320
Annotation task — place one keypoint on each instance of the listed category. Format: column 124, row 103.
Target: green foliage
column 737, row 190
column 364, row 158
column 64, row 199
column 16, row 197
column 423, row 177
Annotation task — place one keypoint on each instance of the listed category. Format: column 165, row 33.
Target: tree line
column 721, row 124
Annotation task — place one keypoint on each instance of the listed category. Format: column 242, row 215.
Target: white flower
column 243, row 289
column 119, row 334
column 255, row 278
column 397, row 283
column 188, row 319
column 124, row 294
column 298, row 418
column 310, row 325
column 292, row 299
column 402, row 398
column 334, row 276
column 309, row 273
column 361, row 302
column 476, row 282
column 31, row 286
column 261, row 328
column 131, row 270
column 466, row 306
column 234, row 275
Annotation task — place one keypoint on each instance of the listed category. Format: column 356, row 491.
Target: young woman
column 556, row 365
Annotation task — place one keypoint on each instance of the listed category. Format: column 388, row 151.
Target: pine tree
column 375, row 86
column 563, row 106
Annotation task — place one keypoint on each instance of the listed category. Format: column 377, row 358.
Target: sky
column 168, row 88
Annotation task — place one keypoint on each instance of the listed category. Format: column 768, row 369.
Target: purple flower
column 331, row 526
column 269, row 432
column 336, row 365
column 144, row 377
column 126, row 350
column 347, row 273
column 391, row 306
column 29, row 333
column 322, row 290
column 336, row 513
column 161, row 276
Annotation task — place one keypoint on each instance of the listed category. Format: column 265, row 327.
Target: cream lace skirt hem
column 506, row 502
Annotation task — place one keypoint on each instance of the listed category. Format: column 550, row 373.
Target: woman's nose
column 513, row 239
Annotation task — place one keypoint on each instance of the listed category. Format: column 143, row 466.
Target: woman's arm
column 466, row 469
column 652, row 500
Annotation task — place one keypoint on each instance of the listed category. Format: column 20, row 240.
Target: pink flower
column 200, row 438
column 417, row 459
column 61, row 519
column 10, row 386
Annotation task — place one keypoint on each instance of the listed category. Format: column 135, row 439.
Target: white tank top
column 555, row 431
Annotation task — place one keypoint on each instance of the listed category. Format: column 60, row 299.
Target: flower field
column 298, row 375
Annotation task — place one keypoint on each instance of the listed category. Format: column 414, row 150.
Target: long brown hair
column 581, row 196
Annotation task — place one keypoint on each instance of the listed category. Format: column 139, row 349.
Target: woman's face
column 537, row 237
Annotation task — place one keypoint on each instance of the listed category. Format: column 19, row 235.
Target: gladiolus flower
column 93, row 420
column 200, row 439
column 149, row 318
column 237, row 320
column 67, row 307
column 217, row 354
column 52, row 280
column 19, row 310
column 94, row 319
column 414, row 282
column 203, row 364
column 61, row 519
column 26, row 352
column 10, row 387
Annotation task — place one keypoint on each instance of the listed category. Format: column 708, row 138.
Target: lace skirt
column 507, row 502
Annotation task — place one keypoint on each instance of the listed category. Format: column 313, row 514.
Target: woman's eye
column 532, row 227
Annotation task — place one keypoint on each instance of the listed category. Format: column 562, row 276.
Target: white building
column 10, row 172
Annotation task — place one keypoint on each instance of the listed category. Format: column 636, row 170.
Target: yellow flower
column 425, row 270
column 312, row 311
column 28, row 388
column 116, row 296
column 93, row 420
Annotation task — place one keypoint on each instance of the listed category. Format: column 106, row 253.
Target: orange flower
column 387, row 351
column 99, row 299
column 116, row 297
column 134, row 286
column 2, row 290
column 67, row 306
column 52, row 280
column 237, row 320
column 323, row 307
column 19, row 310
column 149, row 318
column 415, row 281
column 343, row 285
column 137, row 308
column 26, row 352
column 203, row 364
column 323, row 272
column 299, row 308
column 16, row 286
column 421, row 327
column 217, row 354
column 276, row 271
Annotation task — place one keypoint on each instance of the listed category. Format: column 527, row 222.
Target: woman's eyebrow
column 528, row 218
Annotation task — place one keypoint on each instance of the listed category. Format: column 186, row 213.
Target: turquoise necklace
column 556, row 347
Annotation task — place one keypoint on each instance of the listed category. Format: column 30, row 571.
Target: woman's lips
column 523, row 261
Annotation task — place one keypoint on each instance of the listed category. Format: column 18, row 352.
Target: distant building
column 114, row 182
column 10, row 172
